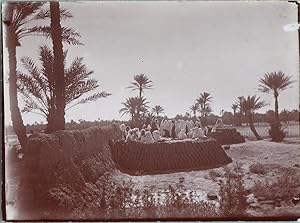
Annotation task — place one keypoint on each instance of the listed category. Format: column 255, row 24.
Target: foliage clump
column 233, row 196
column 277, row 133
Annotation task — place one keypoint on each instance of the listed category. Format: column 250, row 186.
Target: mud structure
column 227, row 136
column 166, row 157
column 63, row 170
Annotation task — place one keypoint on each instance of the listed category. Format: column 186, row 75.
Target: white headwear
column 189, row 126
column 123, row 127
column 156, row 135
column 137, row 133
column 149, row 127
column 182, row 134
column 219, row 123
column 182, row 124
column 148, row 137
column 198, row 133
column 130, row 136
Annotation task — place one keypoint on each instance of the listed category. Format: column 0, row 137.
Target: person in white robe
column 148, row 137
column 188, row 126
column 182, row 134
column 123, row 130
column 198, row 133
column 130, row 136
column 143, row 136
column 156, row 135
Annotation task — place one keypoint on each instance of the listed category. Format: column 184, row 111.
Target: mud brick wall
column 139, row 159
column 61, row 171
column 227, row 136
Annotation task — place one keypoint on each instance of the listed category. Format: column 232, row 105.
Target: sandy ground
column 285, row 154
column 276, row 155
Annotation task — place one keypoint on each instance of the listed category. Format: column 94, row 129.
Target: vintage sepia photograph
column 150, row 110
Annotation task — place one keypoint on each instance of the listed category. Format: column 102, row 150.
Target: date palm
column 132, row 106
column 234, row 108
column 248, row 106
column 37, row 86
column 157, row 109
column 194, row 108
column 204, row 106
column 17, row 18
column 275, row 83
column 141, row 83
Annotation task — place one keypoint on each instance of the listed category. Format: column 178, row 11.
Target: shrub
column 233, row 196
column 283, row 188
column 257, row 168
column 213, row 174
column 277, row 133
column 122, row 201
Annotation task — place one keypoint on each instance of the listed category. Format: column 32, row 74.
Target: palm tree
column 58, row 66
column 234, row 108
column 132, row 106
column 141, row 82
column 194, row 108
column 275, row 82
column 38, row 86
column 17, row 17
column 248, row 106
column 157, row 109
column 204, row 106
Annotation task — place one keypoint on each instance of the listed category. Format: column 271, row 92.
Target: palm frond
column 45, row 13
column 69, row 35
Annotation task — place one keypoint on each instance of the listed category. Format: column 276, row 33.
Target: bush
column 233, row 196
column 257, row 168
column 277, row 133
column 122, row 201
column 283, row 188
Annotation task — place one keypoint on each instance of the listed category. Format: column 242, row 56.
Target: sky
column 185, row 48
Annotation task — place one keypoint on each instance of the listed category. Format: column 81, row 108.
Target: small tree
column 132, row 106
column 248, row 106
column 275, row 83
column 157, row 109
column 38, row 90
column 204, row 105
column 194, row 108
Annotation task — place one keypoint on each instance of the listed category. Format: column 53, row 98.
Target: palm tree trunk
column 250, row 119
column 277, row 120
column 58, row 66
column 17, row 121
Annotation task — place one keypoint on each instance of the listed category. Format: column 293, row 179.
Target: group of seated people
column 175, row 129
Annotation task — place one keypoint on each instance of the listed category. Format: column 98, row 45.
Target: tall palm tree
column 204, row 104
column 132, row 106
column 37, row 86
column 58, row 66
column 141, row 83
column 157, row 109
column 248, row 106
column 275, row 82
column 17, row 15
column 234, row 108
column 17, row 18
column 194, row 108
